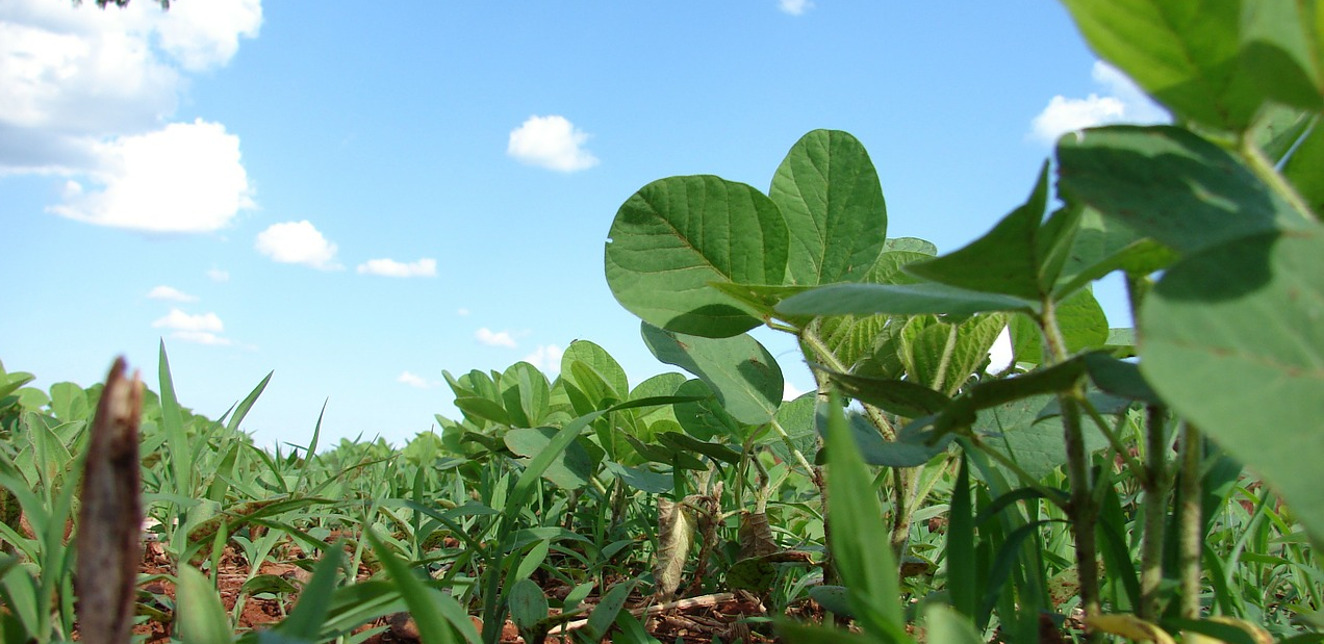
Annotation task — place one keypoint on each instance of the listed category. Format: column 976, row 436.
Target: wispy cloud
column 415, row 380
column 462, row 312
column 170, row 294
column 298, row 242
column 795, row 7
column 551, row 142
column 495, row 338
column 200, row 328
column 1120, row 102
column 546, row 358
column 790, row 391
column 218, row 275
column 426, row 267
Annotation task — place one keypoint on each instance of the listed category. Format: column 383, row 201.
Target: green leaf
column 571, row 467
column 901, row 397
column 1081, row 320
column 704, row 417
column 684, row 442
column 899, row 299
column 942, row 355
column 675, row 236
column 1169, row 184
column 1232, row 340
column 528, row 604
column 1016, row 429
column 1184, row 54
column 602, row 364
column 1281, row 51
column 963, row 409
column 526, row 394
column 863, row 559
column 828, row 191
column 201, row 617
column 1103, row 245
column 606, row 611
column 1012, row 259
column 746, row 378
column 962, row 574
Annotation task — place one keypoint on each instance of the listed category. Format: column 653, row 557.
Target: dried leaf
column 1130, row 627
column 675, row 535
column 110, row 521
column 755, row 535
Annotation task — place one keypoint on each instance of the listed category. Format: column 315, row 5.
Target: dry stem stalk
column 110, row 520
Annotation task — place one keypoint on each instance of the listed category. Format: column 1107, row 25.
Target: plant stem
column 1156, row 485
column 1081, row 508
column 1190, row 523
column 1264, row 169
column 824, row 355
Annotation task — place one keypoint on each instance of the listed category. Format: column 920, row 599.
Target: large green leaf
column 604, row 366
column 1103, row 245
column 675, row 236
column 1169, row 184
column 1019, row 257
column 1281, row 51
column 1184, row 54
column 1232, row 338
column 526, row 394
column 1014, row 428
column 943, row 355
column 829, row 193
column 746, row 378
column 570, row 469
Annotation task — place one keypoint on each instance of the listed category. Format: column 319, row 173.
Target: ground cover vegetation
column 1156, row 483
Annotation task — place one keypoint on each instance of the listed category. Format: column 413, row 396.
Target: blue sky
column 361, row 195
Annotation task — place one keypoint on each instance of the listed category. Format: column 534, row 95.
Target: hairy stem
column 1191, row 524
column 823, row 354
column 1081, row 508
column 1156, row 485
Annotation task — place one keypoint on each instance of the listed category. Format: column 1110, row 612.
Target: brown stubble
column 110, row 520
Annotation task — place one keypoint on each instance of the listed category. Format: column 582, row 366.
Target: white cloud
column 551, row 142
column 546, row 358
column 170, row 294
column 414, row 380
column 88, row 95
column 202, row 35
column 202, row 328
column 790, row 391
column 297, row 242
column 425, row 267
column 185, row 178
column 462, row 312
column 1120, row 102
column 218, row 275
column 495, row 338
column 178, row 320
column 795, row 7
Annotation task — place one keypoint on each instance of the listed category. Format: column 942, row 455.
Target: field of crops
column 1156, row 483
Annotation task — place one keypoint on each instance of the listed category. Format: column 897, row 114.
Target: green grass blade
column 201, row 617
column 242, row 410
column 421, row 599
column 308, row 616
column 961, row 577
column 858, row 538
column 172, row 425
